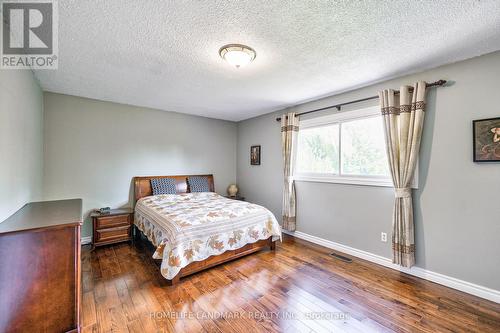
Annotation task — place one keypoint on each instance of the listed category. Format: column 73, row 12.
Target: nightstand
column 112, row 227
column 236, row 197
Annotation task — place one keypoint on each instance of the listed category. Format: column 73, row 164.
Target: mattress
column 191, row 227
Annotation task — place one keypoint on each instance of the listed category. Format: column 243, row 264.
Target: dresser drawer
column 113, row 234
column 112, row 221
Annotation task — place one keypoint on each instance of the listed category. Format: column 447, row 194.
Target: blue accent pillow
column 163, row 186
column 198, row 184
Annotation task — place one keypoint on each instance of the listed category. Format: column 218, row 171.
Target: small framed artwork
column 486, row 133
column 255, row 155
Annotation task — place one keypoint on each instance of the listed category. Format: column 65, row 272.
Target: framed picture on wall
column 255, row 155
column 486, row 133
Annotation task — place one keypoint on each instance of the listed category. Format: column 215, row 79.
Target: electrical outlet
column 383, row 237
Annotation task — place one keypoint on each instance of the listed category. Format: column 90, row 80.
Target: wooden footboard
column 212, row 261
column 197, row 266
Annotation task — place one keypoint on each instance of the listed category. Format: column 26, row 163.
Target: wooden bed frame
column 142, row 188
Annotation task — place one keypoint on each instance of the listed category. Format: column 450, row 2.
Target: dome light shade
column 237, row 55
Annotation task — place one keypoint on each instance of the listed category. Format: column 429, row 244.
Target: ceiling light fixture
column 237, row 55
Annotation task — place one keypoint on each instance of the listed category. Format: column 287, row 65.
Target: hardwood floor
column 299, row 288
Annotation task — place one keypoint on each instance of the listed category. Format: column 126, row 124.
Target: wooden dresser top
column 44, row 214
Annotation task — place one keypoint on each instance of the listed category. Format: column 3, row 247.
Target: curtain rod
column 438, row 83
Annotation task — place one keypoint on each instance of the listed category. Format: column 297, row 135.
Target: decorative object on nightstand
column 236, row 197
column 112, row 227
column 232, row 190
column 103, row 210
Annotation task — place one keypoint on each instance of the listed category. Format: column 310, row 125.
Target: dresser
column 40, row 268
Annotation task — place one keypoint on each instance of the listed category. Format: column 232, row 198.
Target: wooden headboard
column 142, row 185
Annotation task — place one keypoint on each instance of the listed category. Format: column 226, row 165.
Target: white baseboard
column 86, row 240
column 448, row 281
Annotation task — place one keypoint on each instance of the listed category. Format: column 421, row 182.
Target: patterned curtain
column 403, row 121
column 289, row 131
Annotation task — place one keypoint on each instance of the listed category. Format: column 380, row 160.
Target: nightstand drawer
column 110, row 234
column 112, row 221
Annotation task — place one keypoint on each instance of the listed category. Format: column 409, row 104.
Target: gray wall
column 457, row 210
column 21, row 134
column 94, row 148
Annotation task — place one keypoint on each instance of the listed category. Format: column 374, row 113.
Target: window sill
column 346, row 180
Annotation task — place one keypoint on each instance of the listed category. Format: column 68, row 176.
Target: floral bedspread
column 194, row 226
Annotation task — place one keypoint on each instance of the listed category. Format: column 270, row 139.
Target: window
column 363, row 147
column 318, row 150
column 347, row 147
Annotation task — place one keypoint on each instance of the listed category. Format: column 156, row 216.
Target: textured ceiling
column 164, row 54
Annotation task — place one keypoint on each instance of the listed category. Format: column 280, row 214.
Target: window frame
column 339, row 118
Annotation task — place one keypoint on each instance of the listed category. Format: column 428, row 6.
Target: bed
column 194, row 231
